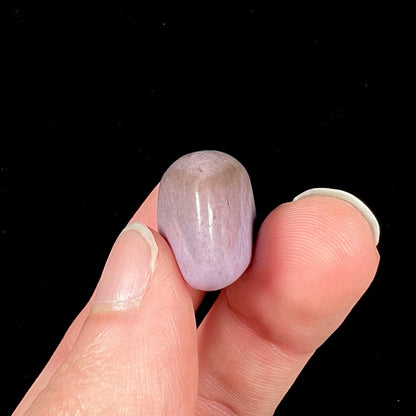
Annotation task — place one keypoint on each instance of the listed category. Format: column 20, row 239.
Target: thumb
column 136, row 352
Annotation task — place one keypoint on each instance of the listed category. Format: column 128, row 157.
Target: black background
column 98, row 99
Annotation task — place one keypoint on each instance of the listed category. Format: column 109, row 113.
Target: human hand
column 135, row 348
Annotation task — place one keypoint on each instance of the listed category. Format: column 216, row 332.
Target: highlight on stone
column 206, row 212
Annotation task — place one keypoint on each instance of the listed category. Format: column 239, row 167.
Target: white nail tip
column 352, row 199
column 148, row 236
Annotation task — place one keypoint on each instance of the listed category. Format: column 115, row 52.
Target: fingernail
column 352, row 199
column 128, row 269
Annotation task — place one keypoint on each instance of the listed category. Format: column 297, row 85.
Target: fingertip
column 339, row 220
column 132, row 333
column 351, row 199
column 313, row 260
column 147, row 213
column 327, row 244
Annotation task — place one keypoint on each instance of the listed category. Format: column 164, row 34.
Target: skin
column 313, row 260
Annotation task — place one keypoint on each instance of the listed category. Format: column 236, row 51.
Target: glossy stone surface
column 206, row 212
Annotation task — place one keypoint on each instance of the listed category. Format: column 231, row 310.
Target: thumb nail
column 128, row 269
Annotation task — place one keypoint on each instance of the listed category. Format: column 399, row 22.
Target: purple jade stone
column 206, row 212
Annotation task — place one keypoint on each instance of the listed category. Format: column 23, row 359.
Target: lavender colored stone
column 206, row 212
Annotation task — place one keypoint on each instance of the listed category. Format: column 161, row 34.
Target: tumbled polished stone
column 206, row 212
